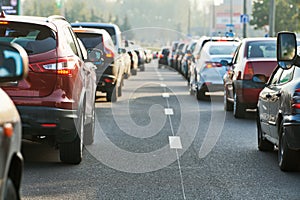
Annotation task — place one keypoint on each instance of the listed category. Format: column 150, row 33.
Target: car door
column 275, row 98
column 264, row 101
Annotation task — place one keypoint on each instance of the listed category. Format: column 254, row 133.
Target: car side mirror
column 287, row 50
column 259, row 78
column 95, row 56
column 13, row 62
column 224, row 62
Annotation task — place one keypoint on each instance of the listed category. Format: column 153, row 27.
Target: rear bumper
column 47, row 121
column 292, row 130
column 248, row 91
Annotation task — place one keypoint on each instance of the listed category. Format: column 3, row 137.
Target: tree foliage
column 286, row 17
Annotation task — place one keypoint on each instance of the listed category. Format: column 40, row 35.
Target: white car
column 208, row 72
column 13, row 67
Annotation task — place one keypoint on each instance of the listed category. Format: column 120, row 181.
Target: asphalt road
column 159, row 142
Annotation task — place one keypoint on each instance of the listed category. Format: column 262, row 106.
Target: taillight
column 7, row 129
column 62, row 66
column 296, row 101
column 248, row 71
column 108, row 53
column 212, row 64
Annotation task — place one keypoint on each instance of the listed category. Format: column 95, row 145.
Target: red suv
column 253, row 56
column 56, row 100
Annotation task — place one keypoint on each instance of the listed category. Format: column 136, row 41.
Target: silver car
column 208, row 72
column 13, row 67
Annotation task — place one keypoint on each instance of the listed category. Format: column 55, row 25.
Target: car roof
column 90, row 30
column 95, row 24
column 44, row 21
column 259, row 39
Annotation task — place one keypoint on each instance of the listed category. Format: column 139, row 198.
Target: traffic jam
column 97, row 109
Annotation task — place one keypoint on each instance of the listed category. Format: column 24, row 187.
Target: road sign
column 244, row 18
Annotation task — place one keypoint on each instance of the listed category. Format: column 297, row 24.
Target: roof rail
column 56, row 17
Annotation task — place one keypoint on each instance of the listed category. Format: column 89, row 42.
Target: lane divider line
column 175, row 142
column 169, row 111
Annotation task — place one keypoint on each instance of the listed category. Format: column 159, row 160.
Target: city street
column 159, row 142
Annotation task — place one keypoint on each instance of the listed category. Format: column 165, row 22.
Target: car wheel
column 71, row 152
column 228, row 106
column 286, row 157
column 238, row 108
column 133, row 72
column 10, row 192
column 200, row 94
column 262, row 143
column 111, row 95
column 89, row 130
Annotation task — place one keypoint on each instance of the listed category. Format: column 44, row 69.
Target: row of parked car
column 253, row 73
column 51, row 70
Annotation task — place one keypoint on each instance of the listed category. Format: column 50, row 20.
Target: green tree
column 286, row 17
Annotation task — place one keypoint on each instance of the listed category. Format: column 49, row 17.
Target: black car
column 278, row 109
column 163, row 57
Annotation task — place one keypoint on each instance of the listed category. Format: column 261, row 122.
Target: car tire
column 200, row 94
column 287, row 158
column 10, row 192
column 133, row 72
column 89, row 130
column 228, row 106
column 71, row 152
column 111, row 94
column 262, row 143
column 238, row 108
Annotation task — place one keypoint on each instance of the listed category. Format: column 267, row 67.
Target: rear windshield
column 90, row 40
column 35, row 39
column 262, row 49
column 222, row 50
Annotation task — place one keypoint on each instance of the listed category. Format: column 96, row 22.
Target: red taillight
column 248, row 71
column 212, row 64
column 48, row 125
column 8, row 130
column 108, row 80
column 296, row 101
column 62, row 66
column 108, row 53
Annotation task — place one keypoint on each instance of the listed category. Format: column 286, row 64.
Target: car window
column 35, row 39
column 275, row 76
column 70, row 39
column 286, row 76
column 91, row 40
column 262, row 49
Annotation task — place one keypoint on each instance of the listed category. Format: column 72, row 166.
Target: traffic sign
column 244, row 18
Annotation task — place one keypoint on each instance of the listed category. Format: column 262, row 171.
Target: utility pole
column 272, row 18
column 245, row 24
